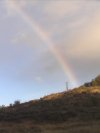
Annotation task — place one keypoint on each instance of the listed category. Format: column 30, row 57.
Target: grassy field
column 67, row 127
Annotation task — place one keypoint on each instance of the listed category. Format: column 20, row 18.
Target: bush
column 96, row 81
column 17, row 102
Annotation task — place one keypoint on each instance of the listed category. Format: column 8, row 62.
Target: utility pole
column 66, row 85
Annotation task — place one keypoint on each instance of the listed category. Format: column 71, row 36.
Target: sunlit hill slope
column 81, row 103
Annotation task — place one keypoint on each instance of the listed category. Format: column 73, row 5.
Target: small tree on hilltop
column 17, row 102
column 96, row 81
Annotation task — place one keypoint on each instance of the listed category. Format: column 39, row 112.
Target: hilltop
column 78, row 105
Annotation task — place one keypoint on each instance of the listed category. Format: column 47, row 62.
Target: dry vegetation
column 74, row 111
column 66, row 127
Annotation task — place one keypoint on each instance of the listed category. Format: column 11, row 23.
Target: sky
column 44, row 44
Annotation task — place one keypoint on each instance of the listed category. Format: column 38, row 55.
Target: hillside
column 81, row 103
column 80, row 106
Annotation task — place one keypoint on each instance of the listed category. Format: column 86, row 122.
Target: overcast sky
column 45, row 43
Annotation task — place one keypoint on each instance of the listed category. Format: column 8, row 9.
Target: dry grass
column 67, row 127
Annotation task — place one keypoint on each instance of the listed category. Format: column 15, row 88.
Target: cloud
column 9, row 8
column 64, row 15
column 61, row 8
column 39, row 79
column 44, row 68
column 10, row 5
column 22, row 37
column 86, row 43
column 73, row 26
column 77, row 35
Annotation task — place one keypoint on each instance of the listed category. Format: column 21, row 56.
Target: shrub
column 96, row 81
column 17, row 102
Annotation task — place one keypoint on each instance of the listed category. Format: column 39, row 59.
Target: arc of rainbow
column 43, row 35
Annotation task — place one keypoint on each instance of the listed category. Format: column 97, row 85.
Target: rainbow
column 53, row 48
